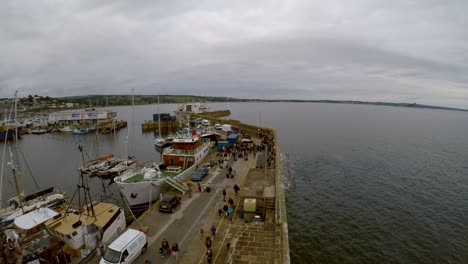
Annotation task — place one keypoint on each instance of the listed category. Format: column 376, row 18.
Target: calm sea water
column 365, row 184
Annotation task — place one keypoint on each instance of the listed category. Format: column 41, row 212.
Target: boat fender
column 14, row 203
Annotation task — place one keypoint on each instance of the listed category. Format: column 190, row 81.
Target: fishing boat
column 95, row 220
column 91, row 224
column 37, row 246
column 140, row 187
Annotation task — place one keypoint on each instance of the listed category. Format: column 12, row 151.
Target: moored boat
column 7, row 132
column 66, row 129
column 79, row 132
column 96, row 220
column 141, row 186
column 39, row 131
column 49, row 198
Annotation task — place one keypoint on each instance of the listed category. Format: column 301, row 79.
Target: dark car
column 168, row 203
column 200, row 173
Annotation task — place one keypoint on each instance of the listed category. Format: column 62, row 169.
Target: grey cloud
column 361, row 50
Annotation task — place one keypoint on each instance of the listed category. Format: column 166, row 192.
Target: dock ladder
column 178, row 185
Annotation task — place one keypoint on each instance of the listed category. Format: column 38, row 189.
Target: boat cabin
column 72, row 227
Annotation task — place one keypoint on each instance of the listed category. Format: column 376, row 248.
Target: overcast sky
column 398, row 51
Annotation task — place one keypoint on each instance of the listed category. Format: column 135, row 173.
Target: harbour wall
column 281, row 222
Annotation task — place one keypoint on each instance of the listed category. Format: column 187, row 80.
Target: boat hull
column 138, row 193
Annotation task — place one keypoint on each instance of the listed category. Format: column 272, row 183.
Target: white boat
column 66, row 129
column 178, row 161
column 97, row 220
column 14, row 210
column 35, row 241
column 79, row 131
column 94, row 223
column 38, row 131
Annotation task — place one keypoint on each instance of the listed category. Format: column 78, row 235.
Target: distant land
column 39, row 103
column 114, row 100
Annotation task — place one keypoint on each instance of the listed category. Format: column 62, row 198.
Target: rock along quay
column 255, row 230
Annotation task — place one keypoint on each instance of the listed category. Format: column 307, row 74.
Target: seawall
column 281, row 223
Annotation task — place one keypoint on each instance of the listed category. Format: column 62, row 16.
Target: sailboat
column 21, row 204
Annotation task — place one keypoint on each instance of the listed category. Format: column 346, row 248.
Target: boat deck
column 140, row 177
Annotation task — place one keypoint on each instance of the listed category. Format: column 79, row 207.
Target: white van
column 126, row 248
column 205, row 122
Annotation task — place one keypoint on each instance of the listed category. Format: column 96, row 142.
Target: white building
column 76, row 117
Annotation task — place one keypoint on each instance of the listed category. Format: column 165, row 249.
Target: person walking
column 202, row 232
column 220, row 210
column 224, row 194
column 208, row 242
column 230, row 213
column 176, row 251
column 209, row 256
column 228, row 245
column 199, row 187
column 236, row 189
column 165, row 246
column 189, row 191
column 213, row 231
column 225, row 209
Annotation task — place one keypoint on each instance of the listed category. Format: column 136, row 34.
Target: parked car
column 200, row 173
column 126, row 248
column 169, row 202
column 217, row 126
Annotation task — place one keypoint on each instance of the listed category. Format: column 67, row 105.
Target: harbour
column 185, row 178
column 233, row 132
column 314, row 163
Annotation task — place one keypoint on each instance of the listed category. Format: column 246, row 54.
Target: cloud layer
column 411, row 51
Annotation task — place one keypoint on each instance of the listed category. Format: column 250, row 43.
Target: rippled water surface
column 367, row 184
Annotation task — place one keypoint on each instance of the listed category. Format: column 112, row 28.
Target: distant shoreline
column 125, row 100
column 122, row 100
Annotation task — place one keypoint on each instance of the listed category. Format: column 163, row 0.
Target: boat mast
column 13, row 169
column 16, row 117
column 159, row 120
column 84, row 184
